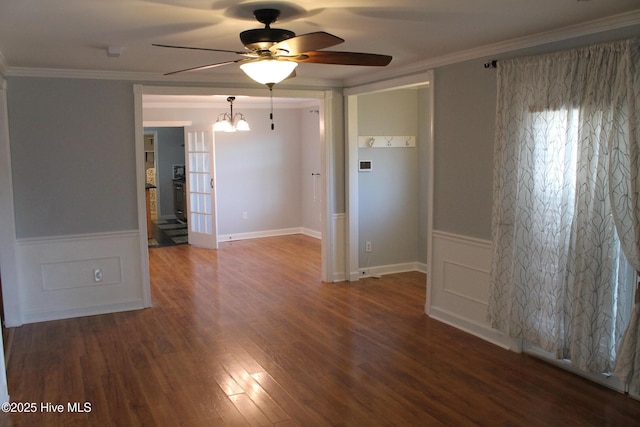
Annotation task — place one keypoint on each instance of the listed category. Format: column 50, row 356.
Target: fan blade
column 306, row 42
column 204, row 67
column 200, row 48
column 344, row 58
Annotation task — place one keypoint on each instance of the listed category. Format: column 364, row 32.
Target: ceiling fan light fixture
column 268, row 71
column 272, row 54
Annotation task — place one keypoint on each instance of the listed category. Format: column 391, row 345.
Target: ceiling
column 62, row 35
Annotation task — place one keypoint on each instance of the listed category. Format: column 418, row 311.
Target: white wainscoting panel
column 77, row 274
column 339, row 240
column 459, row 290
column 57, row 275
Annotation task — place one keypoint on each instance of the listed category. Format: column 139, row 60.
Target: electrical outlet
column 97, row 275
column 244, row 215
column 367, row 246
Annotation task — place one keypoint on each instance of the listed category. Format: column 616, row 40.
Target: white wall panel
column 57, row 275
column 339, row 237
column 459, row 286
column 61, row 275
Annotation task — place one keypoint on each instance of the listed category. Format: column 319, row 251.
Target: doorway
column 359, row 241
column 323, row 100
column 165, row 182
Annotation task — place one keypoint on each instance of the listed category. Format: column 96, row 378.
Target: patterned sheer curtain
column 624, row 170
column 560, row 278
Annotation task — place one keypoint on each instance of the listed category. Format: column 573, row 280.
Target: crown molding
column 610, row 23
column 255, row 104
column 614, row 22
column 168, row 123
column 218, row 81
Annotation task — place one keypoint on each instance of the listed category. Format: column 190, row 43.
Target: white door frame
column 327, row 133
column 351, row 111
column 8, row 260
column 8, row 266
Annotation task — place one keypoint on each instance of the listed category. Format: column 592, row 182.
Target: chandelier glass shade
column 229, row 122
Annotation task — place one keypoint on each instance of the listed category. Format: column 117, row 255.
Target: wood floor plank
column 249, row 335
column 253, row 389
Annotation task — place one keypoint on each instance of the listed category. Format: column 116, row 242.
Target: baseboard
column 474, row 328
column 381, row 270
column 311, row 233
column 47, row 315
column 607, row 381
column 259, row 234
column 339, row 277
column 422, row 267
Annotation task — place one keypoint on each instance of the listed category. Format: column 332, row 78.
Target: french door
column 200, row 180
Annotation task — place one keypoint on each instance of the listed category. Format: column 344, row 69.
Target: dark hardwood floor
column 249, row 335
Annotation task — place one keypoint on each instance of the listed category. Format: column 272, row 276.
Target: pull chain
column 271, row 98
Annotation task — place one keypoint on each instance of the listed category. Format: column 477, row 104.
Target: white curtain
column 559, row 276
column 624, row 170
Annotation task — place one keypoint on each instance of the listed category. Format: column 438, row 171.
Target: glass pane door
column 201, row 196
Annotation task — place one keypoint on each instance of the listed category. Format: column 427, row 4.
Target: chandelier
column 229, row 122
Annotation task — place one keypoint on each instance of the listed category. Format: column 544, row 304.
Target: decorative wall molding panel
column 460, row 286
column 339, row 240
column 459, row 297
column 61, row 275
column 82, row 275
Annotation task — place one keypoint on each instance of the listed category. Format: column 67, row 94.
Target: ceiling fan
column 272, row 54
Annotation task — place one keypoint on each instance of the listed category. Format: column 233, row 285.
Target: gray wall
column 73, row 160
column 465, row 100
column 388, row 194
column 73, row 156
column 310, row 156
column 464, row 111
column 258, row 172
column 261, row 172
